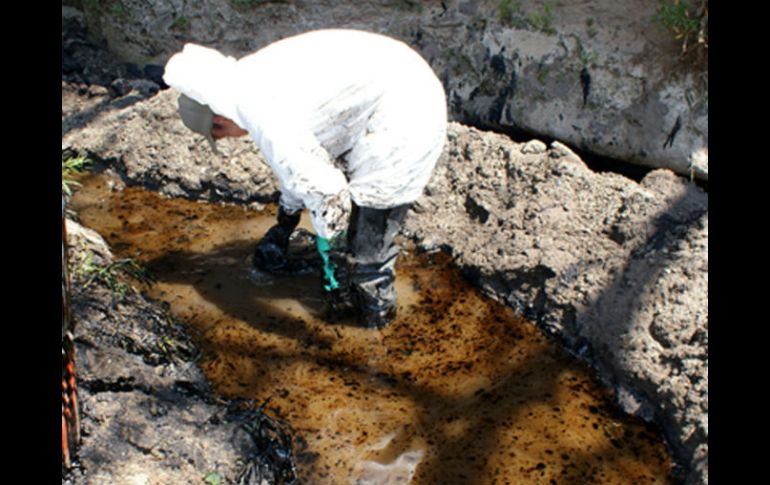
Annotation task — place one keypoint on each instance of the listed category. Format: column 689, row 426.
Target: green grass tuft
column 181, row 23
column 71, row 166
column 113, row 275
column 543, row 19
column 687, row 20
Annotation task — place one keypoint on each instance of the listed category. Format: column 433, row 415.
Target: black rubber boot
column 374, row 253
column 376, row 316
column 338, row 302
column 270, row 253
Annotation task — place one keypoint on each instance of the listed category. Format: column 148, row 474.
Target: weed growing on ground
column 181, row 23
column 172, row 343
column 511, row 13
column 587, row 58
column 542, row 74
column 119, row 11
column 591, row 27
column 213, row 478
column 409, row 5
column 71, row 166
column 112, row 275
column 543, row 20
column 687, row 20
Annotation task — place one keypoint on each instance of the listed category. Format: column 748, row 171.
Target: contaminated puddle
column 458, row 390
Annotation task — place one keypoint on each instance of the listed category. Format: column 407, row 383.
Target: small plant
column 71, row 166
column 409, row 5
column 213, row 478
column 119, row 11
column 687, row 20
column 171, row 344
column 543, row 20
column 542, row 74
column 112, row 274
column 510, row 13
column 591, row 27
column 181, row 23
column 587, row 58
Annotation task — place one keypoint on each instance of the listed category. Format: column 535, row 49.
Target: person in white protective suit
column 352, row 123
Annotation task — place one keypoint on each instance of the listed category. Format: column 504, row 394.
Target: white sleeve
column 307, row 174
column 289, row 203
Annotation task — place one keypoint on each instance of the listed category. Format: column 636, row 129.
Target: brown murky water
column 457, row 391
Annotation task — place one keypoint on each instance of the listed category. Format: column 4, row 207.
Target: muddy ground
column 148, row 415
column 142, row 395
column 615, row 270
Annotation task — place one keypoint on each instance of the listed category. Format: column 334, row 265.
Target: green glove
column 324, row 246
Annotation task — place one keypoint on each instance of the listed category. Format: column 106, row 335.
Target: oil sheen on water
column 458, row 390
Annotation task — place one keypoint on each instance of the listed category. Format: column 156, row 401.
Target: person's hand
column 225, row 127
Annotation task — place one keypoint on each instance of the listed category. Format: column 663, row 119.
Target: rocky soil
column 143, row 400
column 148, row 415
column 603, row 75
column 614, row 269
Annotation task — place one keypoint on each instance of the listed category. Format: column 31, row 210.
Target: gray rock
column 535, row 147
column 144, row 87
column 148, row 142
column 602, row 76
column 560, row 150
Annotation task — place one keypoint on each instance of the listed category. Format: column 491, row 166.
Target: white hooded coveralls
column 338, row 115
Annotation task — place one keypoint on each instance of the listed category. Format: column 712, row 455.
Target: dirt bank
column 601, row 75
column 141, row 392
column 616, row 270
column 148, row 415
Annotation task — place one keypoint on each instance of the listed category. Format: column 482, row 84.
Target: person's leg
column 373, row 254
column 270, row 253
column 390, row 166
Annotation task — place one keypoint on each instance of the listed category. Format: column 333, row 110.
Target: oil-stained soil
column 457, row 390
column 616, row 270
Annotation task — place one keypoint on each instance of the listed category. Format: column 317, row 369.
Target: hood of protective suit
column 206, row 76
